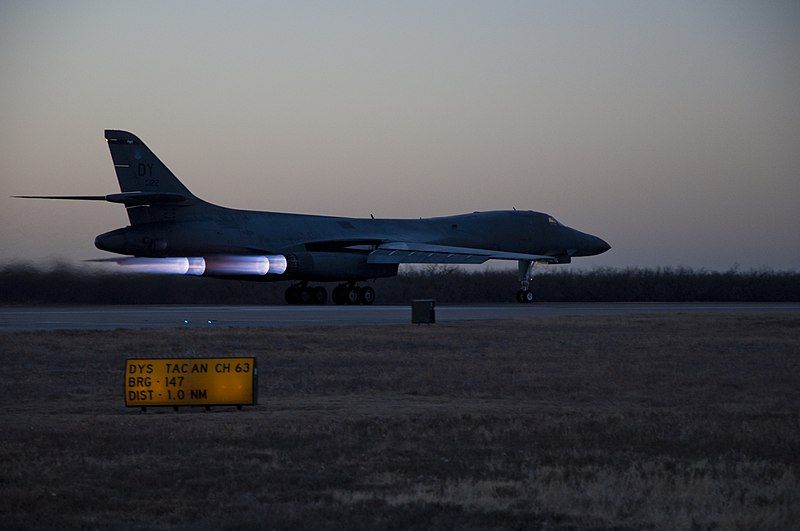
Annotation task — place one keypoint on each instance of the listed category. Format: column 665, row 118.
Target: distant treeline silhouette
column 62, row 284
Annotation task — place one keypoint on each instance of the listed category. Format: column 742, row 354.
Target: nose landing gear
column 525, row 295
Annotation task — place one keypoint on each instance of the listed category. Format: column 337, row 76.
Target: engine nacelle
column 331, row 267
column 130, row 240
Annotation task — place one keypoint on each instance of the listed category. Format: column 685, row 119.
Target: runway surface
column 111, row 317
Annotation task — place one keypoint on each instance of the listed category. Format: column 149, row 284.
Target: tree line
column 63, row 284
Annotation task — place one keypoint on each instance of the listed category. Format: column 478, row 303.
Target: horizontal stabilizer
column 73, row 197
column 145, row 198
column 125, row 198
column 424, row 253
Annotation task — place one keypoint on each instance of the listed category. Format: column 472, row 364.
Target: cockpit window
column 552, row 220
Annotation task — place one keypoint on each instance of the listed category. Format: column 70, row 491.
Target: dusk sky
column 670, row 129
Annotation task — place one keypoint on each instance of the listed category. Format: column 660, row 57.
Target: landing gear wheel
column 366, row 295
column 528, row 296
column 319, row 295
column 291, row 295
column 305, row 295
column 338, row 295
column 524, row 296
column 352, row 295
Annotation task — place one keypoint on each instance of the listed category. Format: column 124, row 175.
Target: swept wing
column 425, row 253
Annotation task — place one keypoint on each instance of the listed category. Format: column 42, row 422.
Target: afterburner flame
column 237, row 265
column 158, row 266
column 277, row 264
column 197, row 266
column 222, row 265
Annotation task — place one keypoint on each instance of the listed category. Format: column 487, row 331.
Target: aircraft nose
column 592, row 245
column 589, row 245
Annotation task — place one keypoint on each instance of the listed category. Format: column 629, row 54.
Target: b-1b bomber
column 173, row 231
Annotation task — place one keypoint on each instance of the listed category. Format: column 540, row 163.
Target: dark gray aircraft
column 172, row 231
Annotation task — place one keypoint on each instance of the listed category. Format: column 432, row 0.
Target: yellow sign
column 190, row 382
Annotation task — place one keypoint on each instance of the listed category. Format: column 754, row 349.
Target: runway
column 20, row 318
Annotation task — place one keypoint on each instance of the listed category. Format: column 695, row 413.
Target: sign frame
column 184, row 359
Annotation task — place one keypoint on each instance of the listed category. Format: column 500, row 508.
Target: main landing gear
column 303, row 294
column 351, row 294
column 343, row 294
column 525, row 295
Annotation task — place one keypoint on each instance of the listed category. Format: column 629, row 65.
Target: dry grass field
column 665, row 421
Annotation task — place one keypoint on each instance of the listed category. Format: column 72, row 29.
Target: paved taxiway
column 111, row 317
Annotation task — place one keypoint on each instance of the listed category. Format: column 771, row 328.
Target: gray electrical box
column 423, row 311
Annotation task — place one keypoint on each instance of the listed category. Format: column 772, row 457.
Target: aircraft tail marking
column 150, row 191
column 139, row 169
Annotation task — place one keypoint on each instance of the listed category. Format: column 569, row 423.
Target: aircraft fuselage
column 206, row 229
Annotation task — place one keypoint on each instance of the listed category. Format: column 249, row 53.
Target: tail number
column 146, row 170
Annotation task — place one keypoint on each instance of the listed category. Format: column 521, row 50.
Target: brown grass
column 654, row 421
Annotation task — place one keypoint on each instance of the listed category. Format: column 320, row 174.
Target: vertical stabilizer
column 139, row 170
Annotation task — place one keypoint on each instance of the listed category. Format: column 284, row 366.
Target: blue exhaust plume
column 222, row 265
column 159, row 266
